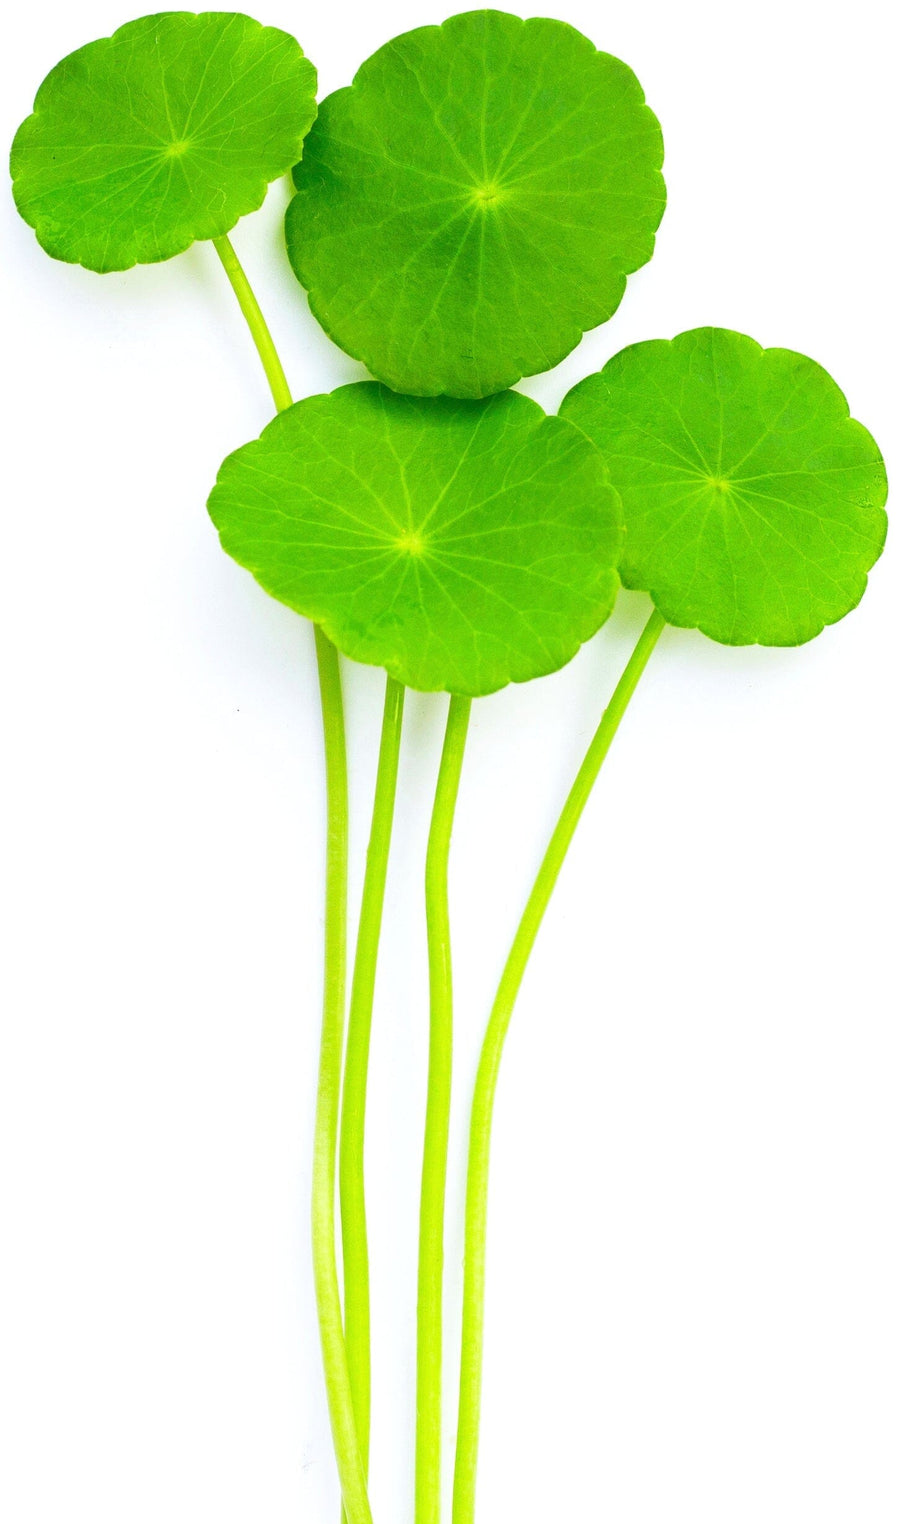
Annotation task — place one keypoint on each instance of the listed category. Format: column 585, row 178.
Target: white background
column 694, row 1248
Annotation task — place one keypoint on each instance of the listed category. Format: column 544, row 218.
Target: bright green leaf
column 753, row 502
column 166, row 132
column 474, row 202
column 460, row 545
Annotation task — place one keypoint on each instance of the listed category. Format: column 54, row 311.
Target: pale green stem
column 429, row 1346
column 489, row 1066
column 356, row 1066
column 257, row 324
column 351, row 1470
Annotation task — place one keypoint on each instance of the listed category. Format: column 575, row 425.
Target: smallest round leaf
column 167, row 132
column 461, row 545
column 753, row 502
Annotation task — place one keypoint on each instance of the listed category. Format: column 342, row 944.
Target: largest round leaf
column 166, row 132
column 474, row 202
column 460, row 545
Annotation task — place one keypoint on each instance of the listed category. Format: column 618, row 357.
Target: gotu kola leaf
column 474, row 201
column 167, row 132
column 461, row 545
column 753, row 502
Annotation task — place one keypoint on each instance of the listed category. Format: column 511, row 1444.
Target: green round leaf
column 166, row 132
column 460, row 545
column 474, row 201
column 753, row 502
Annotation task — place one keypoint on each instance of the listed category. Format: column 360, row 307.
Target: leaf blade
column 753, row 502
column 474, row 202
column 166, row 132
column 460, row 545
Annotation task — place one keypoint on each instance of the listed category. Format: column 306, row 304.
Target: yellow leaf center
column 411, row 542
column 488, row 194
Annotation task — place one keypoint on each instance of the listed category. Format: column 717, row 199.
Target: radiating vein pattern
column 474, row 202
column 459, row 544
column 167, row 132
column 753, row 502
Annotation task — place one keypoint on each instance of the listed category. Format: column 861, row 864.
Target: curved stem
column 489, row 1066
column 351, row 1469
column 257, row 324
column 429, row 1326
column 356, row 1065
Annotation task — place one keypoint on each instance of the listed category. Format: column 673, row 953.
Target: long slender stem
column 331, row 1326
column 429, row 1328
column 257, row 324
column 351, row 1469
column 356, row 1066
column 489, row 1066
